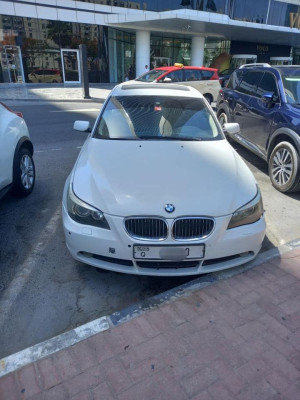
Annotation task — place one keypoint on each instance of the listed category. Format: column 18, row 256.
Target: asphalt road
column 43, row 291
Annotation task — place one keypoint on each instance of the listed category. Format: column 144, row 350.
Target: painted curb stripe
column 51, row 346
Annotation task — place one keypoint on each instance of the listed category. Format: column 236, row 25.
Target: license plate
column 168, row 253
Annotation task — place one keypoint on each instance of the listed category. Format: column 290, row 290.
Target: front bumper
column 113, row 249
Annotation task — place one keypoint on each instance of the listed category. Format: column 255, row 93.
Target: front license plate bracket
column 168, row 252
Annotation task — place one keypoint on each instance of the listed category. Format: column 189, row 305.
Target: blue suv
column 265, row 101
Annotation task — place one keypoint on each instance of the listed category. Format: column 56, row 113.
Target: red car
column 204, row 79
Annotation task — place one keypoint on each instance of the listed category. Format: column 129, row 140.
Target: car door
column 231, row 94
column 244, row 93
column 262, row 112
column 194, row 77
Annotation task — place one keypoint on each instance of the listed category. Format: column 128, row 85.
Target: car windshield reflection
column 157, row 118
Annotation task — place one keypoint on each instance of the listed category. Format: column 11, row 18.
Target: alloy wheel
column 282, row 166
column 27, row 171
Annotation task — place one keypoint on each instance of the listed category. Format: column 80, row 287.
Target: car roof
column 175, row 68
column 278, row 68
column 152, row 89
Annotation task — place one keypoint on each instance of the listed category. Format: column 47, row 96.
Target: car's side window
column 268, row 85
column 176, row 76
column 235, row 79
column 192, row 75
column 249, row 83
column 206, row 75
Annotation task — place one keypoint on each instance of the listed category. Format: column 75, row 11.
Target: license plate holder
column 169, row 252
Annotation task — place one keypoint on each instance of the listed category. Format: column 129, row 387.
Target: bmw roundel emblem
column 169, row 208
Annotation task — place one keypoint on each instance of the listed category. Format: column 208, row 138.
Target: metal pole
column 84, row 72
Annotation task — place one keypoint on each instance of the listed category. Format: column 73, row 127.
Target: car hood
column 136, row 177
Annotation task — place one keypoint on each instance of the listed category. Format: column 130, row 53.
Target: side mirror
column 231, row 128
column 269, row 99
column 82, row 126
column 167, row 80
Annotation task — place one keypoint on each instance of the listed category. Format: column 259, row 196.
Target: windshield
column 291, row 86
column 157, row 118
column 151, row 75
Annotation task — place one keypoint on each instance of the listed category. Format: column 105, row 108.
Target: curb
column 34, row 353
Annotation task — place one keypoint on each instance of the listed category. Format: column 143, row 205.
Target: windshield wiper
column 189, row 139
column 178, row 138
column 120, row 138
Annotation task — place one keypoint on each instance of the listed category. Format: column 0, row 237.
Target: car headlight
column 84, row 213
column 249, row 213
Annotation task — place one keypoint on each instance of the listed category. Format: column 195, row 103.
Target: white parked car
column 158, row 190
column 17, row 170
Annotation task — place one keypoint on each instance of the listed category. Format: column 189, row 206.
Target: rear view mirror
column 231, row 128
column 82, row 126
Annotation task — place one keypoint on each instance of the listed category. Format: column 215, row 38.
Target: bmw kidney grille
column 155, row 228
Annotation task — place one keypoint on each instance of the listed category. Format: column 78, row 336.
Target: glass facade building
column 42, row 50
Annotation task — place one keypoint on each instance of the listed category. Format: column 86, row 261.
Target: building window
column 283, row 14
column 245, row 11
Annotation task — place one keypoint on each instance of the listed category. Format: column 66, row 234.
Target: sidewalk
column 53, row 92
column 236, row 338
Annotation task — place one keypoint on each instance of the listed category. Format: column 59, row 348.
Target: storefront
column 39, row 41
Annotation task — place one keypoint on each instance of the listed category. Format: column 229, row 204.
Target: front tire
column 24, row 173
column 284, row 168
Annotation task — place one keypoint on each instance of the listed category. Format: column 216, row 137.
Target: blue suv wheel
column 284, row 168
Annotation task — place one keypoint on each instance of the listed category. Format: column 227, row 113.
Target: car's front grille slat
column 147, row 228
column 156, row 228
column 192, row 228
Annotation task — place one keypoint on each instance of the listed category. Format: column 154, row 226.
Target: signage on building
column 263, row 51
column 262, row 48
column 295, row 20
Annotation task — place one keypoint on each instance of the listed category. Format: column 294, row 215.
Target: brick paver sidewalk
column 236, row 339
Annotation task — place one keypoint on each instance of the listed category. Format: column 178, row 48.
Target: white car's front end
column 118, row 198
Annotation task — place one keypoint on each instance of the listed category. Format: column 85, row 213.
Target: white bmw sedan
column 158, row 190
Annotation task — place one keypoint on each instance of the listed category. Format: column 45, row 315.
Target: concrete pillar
column 197, row 51
column 142, row 51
